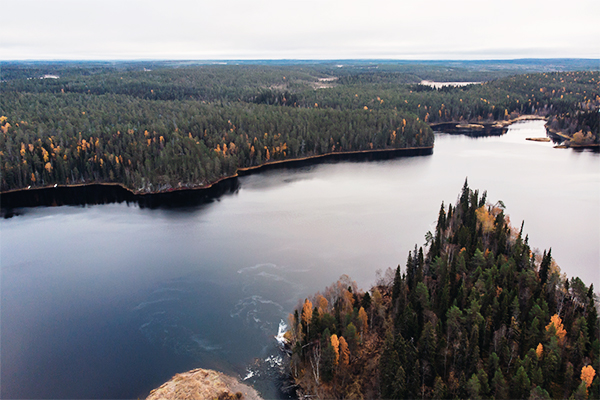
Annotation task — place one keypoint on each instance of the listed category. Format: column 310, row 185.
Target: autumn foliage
column 539, row 351
column 559, row 329
column 485, row 218
column 188, row 127
column 471, row 317
column 587, row 375
column 336, row 347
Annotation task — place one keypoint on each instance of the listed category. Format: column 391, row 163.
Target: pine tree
column 499, row 386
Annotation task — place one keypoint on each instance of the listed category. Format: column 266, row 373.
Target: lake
column 110, row 301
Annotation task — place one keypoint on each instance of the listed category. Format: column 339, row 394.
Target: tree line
column 154, row 145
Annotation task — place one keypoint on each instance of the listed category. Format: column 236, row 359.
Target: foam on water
column 205, row 344
column 280, row 338
column 274, row 361
column 249, row 374
column 256, row 311
column 257, row 266
column 272, row 367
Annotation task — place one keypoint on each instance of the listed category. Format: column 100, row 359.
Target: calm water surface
column 109, row 301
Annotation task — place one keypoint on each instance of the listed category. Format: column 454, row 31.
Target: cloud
column 185, row 29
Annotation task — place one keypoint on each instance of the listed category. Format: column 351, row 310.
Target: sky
column 298, row 29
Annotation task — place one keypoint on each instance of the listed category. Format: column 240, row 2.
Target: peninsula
column 477, row 313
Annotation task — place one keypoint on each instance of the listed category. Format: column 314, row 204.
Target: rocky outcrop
column 203, row 384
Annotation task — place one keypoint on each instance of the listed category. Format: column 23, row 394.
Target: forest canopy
column 477, row 313
column 179, row 126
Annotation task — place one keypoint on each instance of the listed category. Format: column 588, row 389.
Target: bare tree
column 315, row 361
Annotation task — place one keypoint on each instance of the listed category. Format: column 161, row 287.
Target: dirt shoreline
column 203, row 384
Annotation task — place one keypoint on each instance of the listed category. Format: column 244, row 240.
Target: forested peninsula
column 170, row 127
column 477, row 313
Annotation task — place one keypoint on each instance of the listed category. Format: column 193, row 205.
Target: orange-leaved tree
column 587, row 375
column 344, row 352
column 307, row 314
column 336, row 347
column 539, row 351
column 556, row 322
column 322, row 304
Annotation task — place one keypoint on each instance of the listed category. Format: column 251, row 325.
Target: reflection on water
column 14, row 202
column 109, row 301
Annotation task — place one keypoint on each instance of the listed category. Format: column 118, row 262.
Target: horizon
column 302, row 60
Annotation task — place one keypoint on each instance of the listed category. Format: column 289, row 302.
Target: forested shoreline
column 476, row 313
column 103, row 193
column 156, row 130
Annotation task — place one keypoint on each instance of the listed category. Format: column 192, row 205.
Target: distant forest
column 162, row 126
column 475, row 314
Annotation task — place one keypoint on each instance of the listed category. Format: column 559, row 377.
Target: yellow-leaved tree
column 556, row 322
column 307, row 314
column 485, row 219
column 363, row 320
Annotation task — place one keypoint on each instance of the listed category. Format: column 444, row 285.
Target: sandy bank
column 203, row 384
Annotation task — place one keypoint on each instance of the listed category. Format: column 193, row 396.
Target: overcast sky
column 298, row 29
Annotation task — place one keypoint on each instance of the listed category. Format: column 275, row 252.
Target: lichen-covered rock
column 203, row 384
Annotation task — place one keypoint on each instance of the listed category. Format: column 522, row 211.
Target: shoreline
column 524, row 117
column 482, row 128
column 227, row 183
column 202, row 383
column 243, row 171
column 567, row 141
column 107, row 192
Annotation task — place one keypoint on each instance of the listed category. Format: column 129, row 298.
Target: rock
column 203, row 384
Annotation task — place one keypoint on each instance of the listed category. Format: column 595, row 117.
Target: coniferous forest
column 476, row 314
column 183, row 126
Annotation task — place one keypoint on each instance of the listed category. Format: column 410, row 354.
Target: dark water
column 109, row 301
